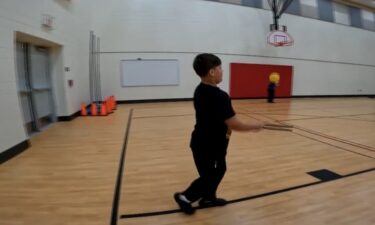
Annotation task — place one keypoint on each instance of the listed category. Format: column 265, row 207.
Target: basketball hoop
column 281, row 44
column 278, row 38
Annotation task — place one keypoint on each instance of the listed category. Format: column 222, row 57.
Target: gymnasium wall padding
column 251, row 80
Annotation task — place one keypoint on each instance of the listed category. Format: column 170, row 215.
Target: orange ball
column 274, row 77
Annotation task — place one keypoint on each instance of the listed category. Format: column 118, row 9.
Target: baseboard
column 14, row 151
column 332, row 96
column 69, row 118
column 154, row 100
column 190, row 99
column 311, row 96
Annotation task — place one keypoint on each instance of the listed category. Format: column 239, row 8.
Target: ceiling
column 364, row 4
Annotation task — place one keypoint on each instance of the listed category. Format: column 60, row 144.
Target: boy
column 271, row 91
column 215, row 119
column 274, row 81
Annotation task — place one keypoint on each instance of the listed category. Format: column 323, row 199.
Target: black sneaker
column 212, row 202
column 185, row 206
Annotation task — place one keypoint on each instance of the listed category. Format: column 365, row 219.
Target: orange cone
column 108, row 105
column 114, row 102
column 108, row 100
column 103, row 110
column 94, row 111
column 83, row 109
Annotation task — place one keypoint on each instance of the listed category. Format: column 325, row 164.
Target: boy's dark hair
column 204, row 62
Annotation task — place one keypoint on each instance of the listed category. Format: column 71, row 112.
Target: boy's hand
column 229, row 133
column 258, row 126
column 234, row 123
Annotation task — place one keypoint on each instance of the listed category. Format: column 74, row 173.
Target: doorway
column 35, row 86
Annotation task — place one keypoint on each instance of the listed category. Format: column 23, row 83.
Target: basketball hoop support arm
column 275, row 17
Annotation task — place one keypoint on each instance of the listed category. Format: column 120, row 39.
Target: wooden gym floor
column 73, row 172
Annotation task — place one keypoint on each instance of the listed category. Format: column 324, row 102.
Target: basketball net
column 278, row 38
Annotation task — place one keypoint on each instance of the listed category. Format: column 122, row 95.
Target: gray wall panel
column 294, row 8
column 355, row 17
column 238, row 2
column 325, row 10
column 252, row 3
column 309, row 11
column 369, row 25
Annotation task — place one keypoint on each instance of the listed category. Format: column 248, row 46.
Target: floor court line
column 338, row 147
column 358, row 145
column 116, row 197
column 365, row 147
column 166, row 212
column 172, row 211
column 177, row 115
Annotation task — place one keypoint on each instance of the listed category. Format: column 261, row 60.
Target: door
column 34, row 86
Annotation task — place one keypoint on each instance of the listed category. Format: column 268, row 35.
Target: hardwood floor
column 69, row 174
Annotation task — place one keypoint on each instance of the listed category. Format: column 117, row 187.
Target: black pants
column 271, row 95
column 211, row 169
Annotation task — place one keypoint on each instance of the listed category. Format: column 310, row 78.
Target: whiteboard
column 149, row 72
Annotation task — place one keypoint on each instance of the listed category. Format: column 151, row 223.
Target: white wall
column 11, row 127
column 328, row 58
column 70, row 35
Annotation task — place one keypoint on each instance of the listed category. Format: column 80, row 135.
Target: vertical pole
column 275, row 17
column 98, row 67
column 94, row 69
column 91, row 66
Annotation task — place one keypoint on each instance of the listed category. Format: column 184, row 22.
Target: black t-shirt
column 271, row 86
column 212, row 107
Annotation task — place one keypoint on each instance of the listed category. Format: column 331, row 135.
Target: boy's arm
column 234, row 123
